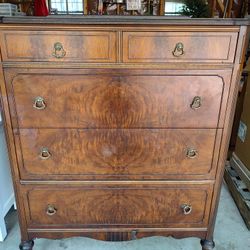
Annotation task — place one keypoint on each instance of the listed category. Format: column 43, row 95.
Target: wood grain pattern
column 106, row 206
column 118, row 115
column 123, row 154
column 159, row 46
column 88, row 46
column 117, row 101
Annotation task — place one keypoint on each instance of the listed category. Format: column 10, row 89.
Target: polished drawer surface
column 101, row 101
column 106, row 206
column 57, row 46
column 179, row 46
column 123, row 154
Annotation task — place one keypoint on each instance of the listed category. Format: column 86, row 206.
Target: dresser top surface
column 125, row 20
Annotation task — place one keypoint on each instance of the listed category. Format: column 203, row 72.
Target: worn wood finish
column 197, row 47
column 90, row 101
column 123, row 154
column 119, row 205
column 88, row 46
column 117, row 127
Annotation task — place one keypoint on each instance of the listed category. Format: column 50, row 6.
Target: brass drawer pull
column 179, row 50
column 44, row 154
column 39, row 103
column 196, row 103
column 51, row 210
column 187, row 209
column 58, row 52
column 191, row 153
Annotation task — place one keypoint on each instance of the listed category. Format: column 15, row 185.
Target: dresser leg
column 26, row 245
column 207, row 244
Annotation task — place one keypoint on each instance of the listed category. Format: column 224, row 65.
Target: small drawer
column 59, row 46
column 63, row 99
column 118, row 154
column 138, row 205
column 179, row 47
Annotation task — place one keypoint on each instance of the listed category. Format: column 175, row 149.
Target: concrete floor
column 230, row 234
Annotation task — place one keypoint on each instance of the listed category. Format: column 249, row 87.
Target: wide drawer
column 97, row 205
column 59, row 46
column 215, row 47
column 118, row 154
column 111, row 101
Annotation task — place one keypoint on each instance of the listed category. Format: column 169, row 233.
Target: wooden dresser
column 118, row 127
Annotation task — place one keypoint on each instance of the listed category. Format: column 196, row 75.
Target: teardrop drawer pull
column 191, row 153
column 39, row 103
column 196, row 103
column 178, row 50
column 44, row 154
column 187, row 209
column 58, row 52
column 51, row 210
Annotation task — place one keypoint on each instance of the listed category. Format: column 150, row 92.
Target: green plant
column 195, row 8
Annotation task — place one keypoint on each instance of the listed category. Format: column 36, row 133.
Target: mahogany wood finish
column 144, row 205
column 197, row 47
column 118, row 127
column 88, row 46
column 119, row 101
column 123, row 154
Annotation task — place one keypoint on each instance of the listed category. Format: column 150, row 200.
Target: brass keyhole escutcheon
column 133, row 235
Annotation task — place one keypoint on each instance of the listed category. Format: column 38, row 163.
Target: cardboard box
column 242, row 148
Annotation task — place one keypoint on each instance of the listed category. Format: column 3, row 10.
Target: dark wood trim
column 117, row 20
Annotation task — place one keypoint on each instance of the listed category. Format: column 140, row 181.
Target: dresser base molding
column 117, row 235
column 26, row 245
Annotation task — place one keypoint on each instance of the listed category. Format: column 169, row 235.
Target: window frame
column 67, row 12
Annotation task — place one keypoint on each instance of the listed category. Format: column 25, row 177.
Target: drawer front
column 115, row 205
column 90, row 101
column 179, row 46
column 65, row 46
column 125, row 154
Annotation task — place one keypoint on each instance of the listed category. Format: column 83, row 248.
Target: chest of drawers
column 118, row 128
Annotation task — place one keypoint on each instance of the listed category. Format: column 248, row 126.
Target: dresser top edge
column 125, row 20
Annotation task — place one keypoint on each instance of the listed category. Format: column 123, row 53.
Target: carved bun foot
column 26, row 245
column 207, row 244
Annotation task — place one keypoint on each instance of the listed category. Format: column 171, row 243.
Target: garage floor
column 230, row 234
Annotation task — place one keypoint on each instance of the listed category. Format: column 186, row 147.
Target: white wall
column 6, row 188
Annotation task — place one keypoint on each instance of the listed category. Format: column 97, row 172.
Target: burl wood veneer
column 118, row 127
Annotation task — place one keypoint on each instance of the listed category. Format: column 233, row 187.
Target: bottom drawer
column 155, row 204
